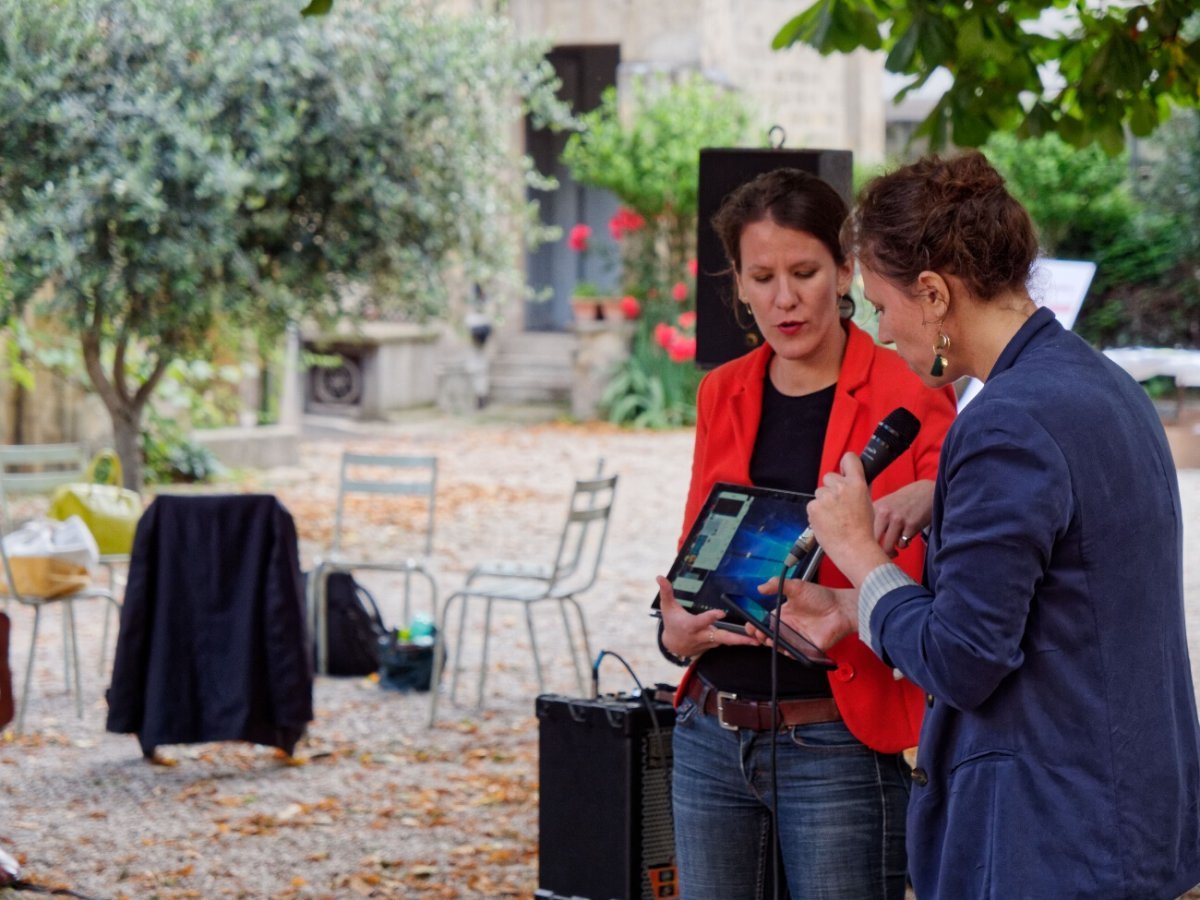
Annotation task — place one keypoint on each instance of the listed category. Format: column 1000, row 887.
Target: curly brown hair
column 944, row 215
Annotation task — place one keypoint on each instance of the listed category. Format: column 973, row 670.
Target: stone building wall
column 832, row 102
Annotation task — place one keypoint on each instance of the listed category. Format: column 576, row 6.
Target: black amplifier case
column 605, row 829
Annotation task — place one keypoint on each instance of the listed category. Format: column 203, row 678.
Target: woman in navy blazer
column 1059, row 756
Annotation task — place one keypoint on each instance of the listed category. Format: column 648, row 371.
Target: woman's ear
column 845, row 276
column 933, row 290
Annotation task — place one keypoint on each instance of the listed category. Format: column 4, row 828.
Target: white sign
column 1061, row 285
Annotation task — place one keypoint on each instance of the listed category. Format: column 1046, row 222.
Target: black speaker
column 719, row 336
column 605, row 830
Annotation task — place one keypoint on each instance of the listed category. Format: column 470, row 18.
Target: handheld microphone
column 892, row 437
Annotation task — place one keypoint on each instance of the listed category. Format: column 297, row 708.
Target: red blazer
column 882, row 712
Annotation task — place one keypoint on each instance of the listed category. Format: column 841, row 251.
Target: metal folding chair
column 572, row 571
column 365, row 476
column 36, row 468
column 39, row 469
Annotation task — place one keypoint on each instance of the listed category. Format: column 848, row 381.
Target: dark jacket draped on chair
column 213, row 644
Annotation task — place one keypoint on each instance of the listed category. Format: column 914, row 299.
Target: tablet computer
column 760, row 611
column 740, row 539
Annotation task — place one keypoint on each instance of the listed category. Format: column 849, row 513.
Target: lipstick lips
column 789, row 327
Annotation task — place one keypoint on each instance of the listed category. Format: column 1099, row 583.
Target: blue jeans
column 841, row 812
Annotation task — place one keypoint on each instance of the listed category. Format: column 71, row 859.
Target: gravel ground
column 374, row 803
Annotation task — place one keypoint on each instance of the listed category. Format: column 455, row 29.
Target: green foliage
column 193, row 394
column 16, row 358
column 585, row 289
column 206, row 395
column 1172, row 178
column 170, row 456
column 1144, row 253
column 1168, row 311
column 1084, row 71
column 172, row 165
column 646, row 151
column 649, row 158
column 651, row 390
column 1080, row 199
column 1085, row 206
column 648, row 155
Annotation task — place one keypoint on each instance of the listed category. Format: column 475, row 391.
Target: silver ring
column 712, row 634
column 904, row 541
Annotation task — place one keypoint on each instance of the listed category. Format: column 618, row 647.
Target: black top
column 787, row 456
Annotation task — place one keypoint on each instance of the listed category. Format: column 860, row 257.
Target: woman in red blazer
column 781, row 416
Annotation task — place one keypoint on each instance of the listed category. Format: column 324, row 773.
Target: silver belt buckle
column 722, row 696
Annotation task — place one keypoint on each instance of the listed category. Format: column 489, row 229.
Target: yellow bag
column 110, row 511
column 45, row 576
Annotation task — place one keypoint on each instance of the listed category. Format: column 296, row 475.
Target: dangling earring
column 741, row 310
column 940, row 346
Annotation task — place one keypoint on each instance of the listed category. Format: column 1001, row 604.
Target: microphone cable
column 891, row 437
column 656, row 744
column 810, row 570
column 628, row 668
column 778, row 848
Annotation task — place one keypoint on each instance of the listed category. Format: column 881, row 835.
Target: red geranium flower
column 623, row 222
column 693, row 267
column 630, row 308
column 682, row 349
column 679, row 291
column 664, row 335
column 686, row 319
column 578, row 239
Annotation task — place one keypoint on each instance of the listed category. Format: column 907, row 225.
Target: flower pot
column 597, row 309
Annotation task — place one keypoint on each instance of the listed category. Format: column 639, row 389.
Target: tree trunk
column 124, row 405
column 126, row 417
column 127, row 440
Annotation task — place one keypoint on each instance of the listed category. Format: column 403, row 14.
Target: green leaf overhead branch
column 1087, row 71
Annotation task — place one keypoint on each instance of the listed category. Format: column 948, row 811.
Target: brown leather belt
column 734, row 712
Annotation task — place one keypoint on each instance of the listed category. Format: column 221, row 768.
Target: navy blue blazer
column 1060, row 756
column 213, row 643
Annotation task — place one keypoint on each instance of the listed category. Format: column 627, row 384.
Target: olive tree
column 1088, row 205
column 173, row 169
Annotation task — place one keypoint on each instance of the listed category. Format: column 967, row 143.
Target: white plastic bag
column 48, row 559
column 68, row 540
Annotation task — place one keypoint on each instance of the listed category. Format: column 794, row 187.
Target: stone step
column 544, row 367
column 561, row 350
column 533, row 367
column 526, row 389
column 553, row 378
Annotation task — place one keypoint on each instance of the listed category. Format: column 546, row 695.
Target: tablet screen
column 740, row 539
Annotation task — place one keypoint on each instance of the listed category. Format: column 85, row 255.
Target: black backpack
column 353, row 626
